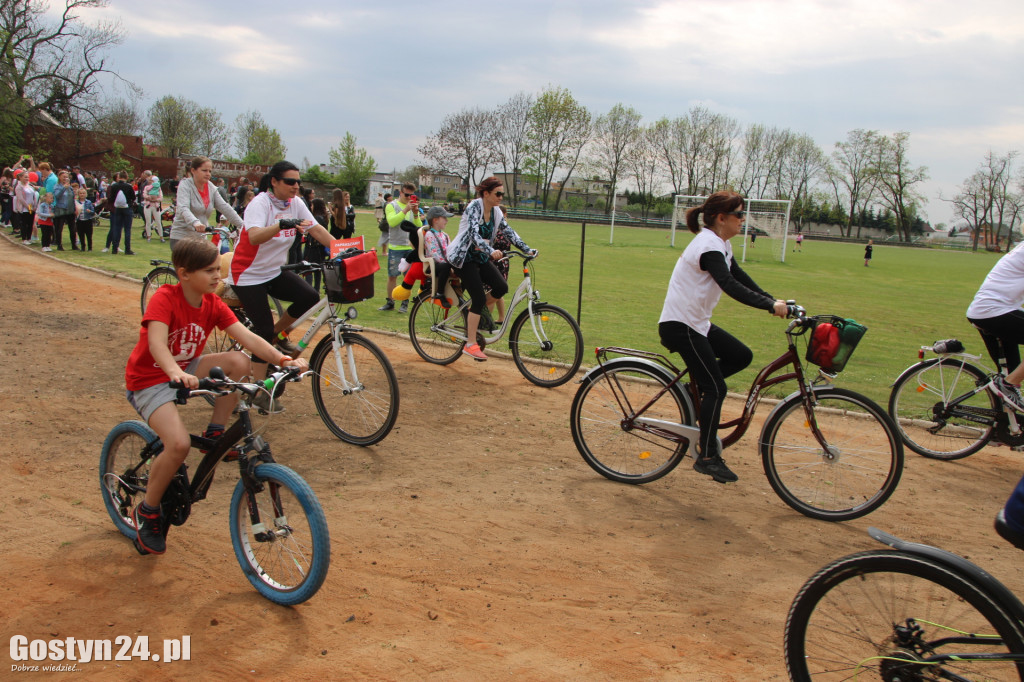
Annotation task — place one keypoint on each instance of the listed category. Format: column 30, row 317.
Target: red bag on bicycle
column 824, row 345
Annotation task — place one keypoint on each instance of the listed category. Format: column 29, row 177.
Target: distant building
column 442, row 183
column 524, row 189
column 381, row 183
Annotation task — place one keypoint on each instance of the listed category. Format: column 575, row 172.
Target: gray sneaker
column 265, row 405
column 1008, row 392
column 404, row 308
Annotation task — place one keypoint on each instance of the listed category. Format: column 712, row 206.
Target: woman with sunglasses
column 197, row 198
column 272, row 221
column 705, row 269
column 472, row 255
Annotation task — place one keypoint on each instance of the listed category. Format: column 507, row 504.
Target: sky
column 950, row 74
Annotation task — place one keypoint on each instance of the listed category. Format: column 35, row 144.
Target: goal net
column 766, row 227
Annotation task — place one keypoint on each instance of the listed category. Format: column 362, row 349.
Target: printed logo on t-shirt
column 185, row 343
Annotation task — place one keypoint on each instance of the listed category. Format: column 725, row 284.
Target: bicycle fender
column 626, row 362
column 914, row 368
column 982, row 578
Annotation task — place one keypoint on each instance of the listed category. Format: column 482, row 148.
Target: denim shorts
column 395, row 257
column 147, row 400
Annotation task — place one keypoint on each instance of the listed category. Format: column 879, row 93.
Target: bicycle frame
column 524, row 291
column 764, row 379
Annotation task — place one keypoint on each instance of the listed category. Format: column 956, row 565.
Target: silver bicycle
column 545, row 340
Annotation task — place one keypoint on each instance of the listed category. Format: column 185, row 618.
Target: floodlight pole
column 579, row 287
column 611, row 235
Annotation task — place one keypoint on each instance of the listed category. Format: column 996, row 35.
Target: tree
column 114, row 163
column 559, row 129
column 764, row 152
column 644, row 161
column 52, row 64
column 697, row 150
column 172, row 124
column 355, row 165
column 119, row 116
column 511, row 127
column 851, row 173
column 614, row 135
column 213, row 137
column 986, row 200
column 895, row 179
column 256, row 142
column 463, row 145
column 800, row 168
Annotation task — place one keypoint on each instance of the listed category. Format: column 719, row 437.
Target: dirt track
column 473, row 542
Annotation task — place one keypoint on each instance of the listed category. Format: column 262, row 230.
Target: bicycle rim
column 361, row 412
column 435, row 347
column 882, row 614
column 919, row 403
column 154, row 280
column 601, row 403
column 287, row 557
column 554, row 358
column 122, row 469
column 855, row 475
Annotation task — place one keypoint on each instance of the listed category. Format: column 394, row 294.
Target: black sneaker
column 149, row 532
column 389, row 305
column 715, row 468
column 1006, row 532
column 128, row 252
column 1008, row 392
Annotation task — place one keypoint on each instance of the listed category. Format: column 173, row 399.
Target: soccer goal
column 767, row 224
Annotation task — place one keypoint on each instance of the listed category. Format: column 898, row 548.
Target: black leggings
column 710, row 359
column 474, row 276
column 1002, row 336
column 24, row 223
column 286, row 287
column 84, row 229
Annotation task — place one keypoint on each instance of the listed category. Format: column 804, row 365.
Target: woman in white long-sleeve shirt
column 197, row 199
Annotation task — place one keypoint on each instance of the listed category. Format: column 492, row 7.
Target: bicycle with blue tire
column 278, row 528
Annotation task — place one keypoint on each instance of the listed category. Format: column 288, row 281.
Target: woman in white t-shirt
column 272, row 221
column 704, row 270
column 996, row 312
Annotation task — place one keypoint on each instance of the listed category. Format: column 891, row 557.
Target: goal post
column 767, row 223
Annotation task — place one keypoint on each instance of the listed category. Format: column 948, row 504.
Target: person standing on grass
column 405, row 207
column 120, row 199
column 867, row 252
column 64, row 211
column 24, row 207
column 385, row 234
column 152, row 207
column 197, row 198
column 343, row 215
column 85, row 214
column 799, row 241
column 44, row 220
column 7, row 199
column 705, row 270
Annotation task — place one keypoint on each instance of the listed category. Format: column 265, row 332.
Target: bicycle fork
column 348, row 386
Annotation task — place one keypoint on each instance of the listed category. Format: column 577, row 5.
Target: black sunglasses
column 738, row 214
column 290, row 181
column 499, row 194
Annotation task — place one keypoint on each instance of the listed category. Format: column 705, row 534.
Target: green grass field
column 908, row 297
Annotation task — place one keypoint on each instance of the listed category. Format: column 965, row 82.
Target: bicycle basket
column 349, row 277
column 832, row 341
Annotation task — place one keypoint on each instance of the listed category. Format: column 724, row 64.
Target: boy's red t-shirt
column 187, row 331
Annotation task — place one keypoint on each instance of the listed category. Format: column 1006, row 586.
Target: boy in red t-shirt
column 175, row 328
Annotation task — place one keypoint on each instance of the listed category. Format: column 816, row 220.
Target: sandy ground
column 471, row 543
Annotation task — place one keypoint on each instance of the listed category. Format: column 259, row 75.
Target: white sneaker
column 26, row 242
column 47, row 249
column 105, row 251
column 1008, row 392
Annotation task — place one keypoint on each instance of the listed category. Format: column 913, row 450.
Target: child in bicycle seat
column 175, row 328
column 435, row 241
column 704, row 270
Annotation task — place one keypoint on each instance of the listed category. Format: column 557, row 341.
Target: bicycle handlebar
column 525, row 256
column 217, row 384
